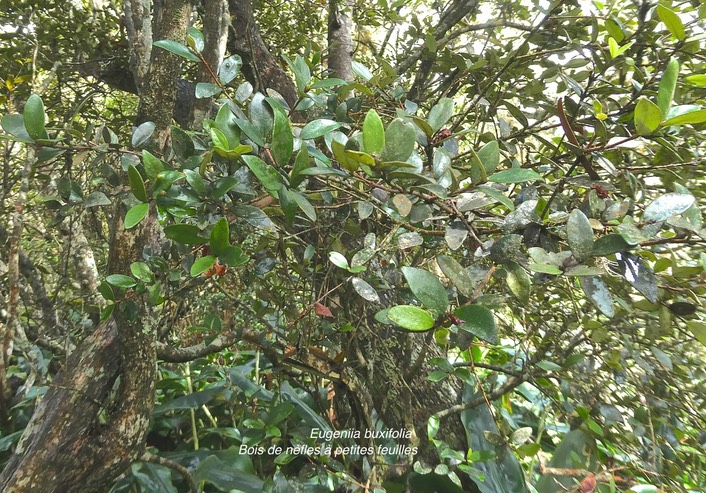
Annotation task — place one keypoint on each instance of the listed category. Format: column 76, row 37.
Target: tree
column 473, row 238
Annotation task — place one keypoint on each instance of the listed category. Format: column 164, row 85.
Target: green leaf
column 579, row 234
column 515, row 175
column 305, row 206
column 194, row 39
column 456, row 273
column 485, row 161
column 142, row 134
column 206, row 90
column 282, row 139
column 672, row 21
column 223, row 186
column 667, row 205
column 233, row 256
column 692, row 117
column 338, row 260
column 202, row 264
column 220, row 237
column 647, row 117
column 182, row 144
column 339, row 153
column 268, row 176
column 185, row 234
column 609, row 244
column 289, row 207
column 14, row 125
column 136, row 214
column 251, row 131
column 598, row 293
column 667, row 86
column 137, row 185
column 497, row 195
column 549, row 366
column 96, row 199
column 615, row 50
column 318, row 128
column 141, row 271
column 229, row 69
column 518, row 281
column 365, row 290
column 225, row 122
column 400, row 139
column 427, row 288
column 195, row 181
column 301, row 163
column 34, row 117
column 153, row 166
column 411, row 318
column 373, row 133
column 697, row 80
column 479, row 321
column 178, row 49
column 120, row 281
column 441, row 113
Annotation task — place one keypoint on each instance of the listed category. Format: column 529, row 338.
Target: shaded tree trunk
column 92, row 422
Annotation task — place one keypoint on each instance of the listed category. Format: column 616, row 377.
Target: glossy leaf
column 479, row 321
column 206, row 90
column 220, row 237
column 411, row 318
column 691, row 117
column 201, row 265
column 647, row 117
column 485, row 161
column 282, row 139
column 598, row 293
column 34, row 117
column 121, row 281
column 229, row 69
column 373, row 133
column 14, row 125
column 638, row 274
column 178, row 49
column 305, row 206
column 667, row 205
column 609, row 244
column 136, row 214
column 579, row 234
column 365, row 290
column 153, row 165
column 318, row 128
column 427, row 288
column 185, row 234
column 137, row 185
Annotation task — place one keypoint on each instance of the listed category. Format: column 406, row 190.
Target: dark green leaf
column 302, row 162
column 186, row 234
column 373, row 133
column 137, row 185
column 96, row 199
column 282, row 139
column 153, row 166
column 141, row 271
column 202, row 264
column 220, row 237
column 485, row 161
column 223, row 186
column 182, row 144
column 682, row 308
column 609, row 244
column 411, row 318
column 34, row 117
column 456, row 273
column 318, row 128
column 305, row 206
column 194, row 179
column 136, row 214
column 479, row 321
column 427, row 288
column 233, row 256
column 120, row 281
column 178, row 49
column 268, row 176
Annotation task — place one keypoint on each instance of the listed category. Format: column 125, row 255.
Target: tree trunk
column 93, row 420
column 340, row 39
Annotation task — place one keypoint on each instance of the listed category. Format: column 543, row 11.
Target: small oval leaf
column 411, row 318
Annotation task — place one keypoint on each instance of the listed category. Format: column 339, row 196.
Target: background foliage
column 517, row 197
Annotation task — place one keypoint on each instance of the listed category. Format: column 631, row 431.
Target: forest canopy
column 346, row 246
